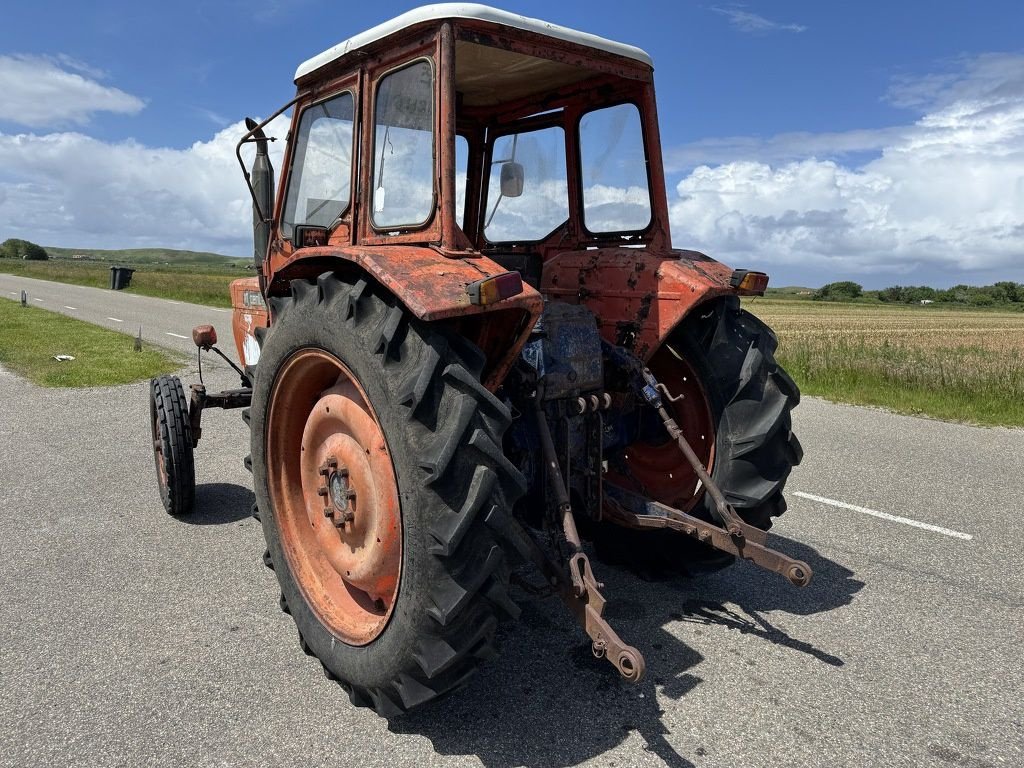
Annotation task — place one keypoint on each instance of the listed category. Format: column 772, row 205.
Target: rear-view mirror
column 511, row 179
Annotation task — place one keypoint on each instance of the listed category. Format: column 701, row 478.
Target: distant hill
column 144, row 256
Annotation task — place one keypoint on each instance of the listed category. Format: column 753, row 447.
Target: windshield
column 319, row 186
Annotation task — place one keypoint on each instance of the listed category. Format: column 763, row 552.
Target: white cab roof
column 469, row 11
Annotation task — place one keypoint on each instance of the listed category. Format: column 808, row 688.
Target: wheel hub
column 339, row 496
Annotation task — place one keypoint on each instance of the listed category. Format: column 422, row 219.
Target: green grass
column 132, row 256
column 197, row 283
column 30, row 337
column 951, row 364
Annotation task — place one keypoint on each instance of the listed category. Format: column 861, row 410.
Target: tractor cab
column 476, row 130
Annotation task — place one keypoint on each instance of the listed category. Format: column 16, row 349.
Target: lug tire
column 172, row 445
column 750, row 397
column 443, row 430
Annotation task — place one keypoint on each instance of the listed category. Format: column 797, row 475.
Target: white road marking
column 36, row 299
column 115, row 319
column 885, row 516
column 213, row 309
column 173, row 302
column 67, row 307
column 13, row 293
column 176, row 335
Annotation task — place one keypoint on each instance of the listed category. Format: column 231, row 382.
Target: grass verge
column 192, row 283
column 953, row 365
column 30, row 337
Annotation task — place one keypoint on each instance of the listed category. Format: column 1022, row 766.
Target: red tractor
column 483, row 350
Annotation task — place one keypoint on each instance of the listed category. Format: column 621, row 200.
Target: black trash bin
column 120, row 277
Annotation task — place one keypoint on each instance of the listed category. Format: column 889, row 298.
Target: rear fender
column 637, row 296
column 432, row 287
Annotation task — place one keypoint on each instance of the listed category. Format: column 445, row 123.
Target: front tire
column 404, row 608
column 172, row 445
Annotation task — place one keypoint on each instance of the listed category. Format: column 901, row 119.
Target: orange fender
column 638, row 297
column 432, row 286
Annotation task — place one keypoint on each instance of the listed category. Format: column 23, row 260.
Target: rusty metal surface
column 432, row 286
column 634, row 511
column 581, row 592
column 638, row 295
column 248, row 312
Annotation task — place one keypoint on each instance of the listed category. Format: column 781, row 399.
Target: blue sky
column 882, row 142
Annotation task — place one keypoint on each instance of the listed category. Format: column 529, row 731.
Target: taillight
column 493, row 289
column 749, row 283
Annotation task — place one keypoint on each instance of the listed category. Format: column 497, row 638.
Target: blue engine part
column 565, row 351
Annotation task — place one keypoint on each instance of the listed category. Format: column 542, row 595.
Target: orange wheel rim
column 658, row 468
column 334, row 494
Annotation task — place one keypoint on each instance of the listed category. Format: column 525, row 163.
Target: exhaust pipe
column 262, row 182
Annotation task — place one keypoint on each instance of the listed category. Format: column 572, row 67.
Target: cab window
column 616, row 195
column 403, row 148
column 319, row 185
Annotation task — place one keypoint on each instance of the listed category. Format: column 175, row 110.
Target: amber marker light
column 748, row 283
column 491, row 290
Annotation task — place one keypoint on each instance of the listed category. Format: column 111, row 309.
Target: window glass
column 403, row 170
column 319, row 186
column 461, row 173
column 544, row 203
column 616, row 196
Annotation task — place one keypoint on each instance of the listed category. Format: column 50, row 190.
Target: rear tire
column 750, row 398
column 442, row 432
column 172, row 445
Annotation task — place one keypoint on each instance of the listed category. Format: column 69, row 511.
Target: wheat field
column 952, row 364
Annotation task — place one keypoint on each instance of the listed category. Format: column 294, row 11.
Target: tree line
column 14, row 248
column 998, row 294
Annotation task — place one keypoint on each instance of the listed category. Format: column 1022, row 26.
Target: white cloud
column 41, row 91
column 781, row 147
column 944, row 194
column 745, row 21
column 70, row 189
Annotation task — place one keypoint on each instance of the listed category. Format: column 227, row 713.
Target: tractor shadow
column 220, row 504
column 549, row 702
column 751, row 593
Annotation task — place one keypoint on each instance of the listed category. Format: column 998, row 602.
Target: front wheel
column 377, row 472
column 172, row 445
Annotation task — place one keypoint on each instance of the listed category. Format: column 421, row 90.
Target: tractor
column 471, row 353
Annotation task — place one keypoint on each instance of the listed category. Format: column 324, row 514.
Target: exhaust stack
column 262, row 182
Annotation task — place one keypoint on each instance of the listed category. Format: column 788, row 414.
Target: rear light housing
column 749, row 283
column 493, row 289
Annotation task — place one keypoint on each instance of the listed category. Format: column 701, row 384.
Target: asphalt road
column 164, row 322
column 131, row 638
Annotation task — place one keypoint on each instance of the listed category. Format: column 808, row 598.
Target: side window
column 461, row 172
column 542, row 204
column 616, row 196
column 319, row 185
column 403, row 156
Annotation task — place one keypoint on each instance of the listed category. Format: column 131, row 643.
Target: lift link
column 634, row 511
column 743, row 540
column 582, row 592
